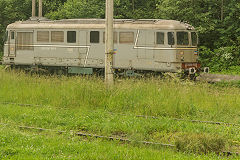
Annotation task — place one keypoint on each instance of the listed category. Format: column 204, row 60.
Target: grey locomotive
column 77, row 45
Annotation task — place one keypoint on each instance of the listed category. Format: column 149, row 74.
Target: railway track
column 114, row 138
column 140, row 116
column 84, row 134
column 109, row 138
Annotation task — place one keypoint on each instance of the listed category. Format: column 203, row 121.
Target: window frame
column 187, row 32
column 75, row 39
column 90, row 37
column 174, row 38
column 12, row 35
column 156, row 38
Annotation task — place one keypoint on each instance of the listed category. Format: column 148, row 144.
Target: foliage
column 79, row 9
column 1, row 55
column 15, row 10
column 12, row 10
column 135, row 9
column 221, row 59
column 215, row 31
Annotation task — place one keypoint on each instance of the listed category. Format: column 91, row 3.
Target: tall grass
column 84, row 103
column 151, row 96
column 22, row 145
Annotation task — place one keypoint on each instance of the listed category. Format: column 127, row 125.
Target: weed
column 201, row 143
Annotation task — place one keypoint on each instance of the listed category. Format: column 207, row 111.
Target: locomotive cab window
column 94, row 37
column 182, row 38
column 160, row 38
column 71, row 36
column 126, row 37
column 194, row 38
column 171, row 39
column 12, row 35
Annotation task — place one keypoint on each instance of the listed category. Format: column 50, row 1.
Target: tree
column 214, row 29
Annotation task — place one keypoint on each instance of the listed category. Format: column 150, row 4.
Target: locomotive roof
column 100, row 24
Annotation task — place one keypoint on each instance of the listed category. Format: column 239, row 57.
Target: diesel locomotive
column 76, row 46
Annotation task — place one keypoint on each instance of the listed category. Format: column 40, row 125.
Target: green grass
column 84, row 104
column 20, row 144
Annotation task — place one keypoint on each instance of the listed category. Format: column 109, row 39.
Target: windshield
column 182, row 38
column 171, row 40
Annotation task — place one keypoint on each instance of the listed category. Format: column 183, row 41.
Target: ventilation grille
column 24, row 41
column 43, row 36
column 57, row 36
column 126, row 37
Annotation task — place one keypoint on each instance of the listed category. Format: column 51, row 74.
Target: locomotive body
column 78, row 45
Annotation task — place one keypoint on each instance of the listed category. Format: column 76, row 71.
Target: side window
column 57, row 36
column 160, row 38
column 126, row 37
column 94, row 37
column 171, row 40
column 194, row 38
column 182, row 38
column 12, row 35
column 42, row 36
column 115, row 37
column 71, row 36
column 24, row 41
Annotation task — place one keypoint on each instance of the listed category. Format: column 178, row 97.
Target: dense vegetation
column 82, row 104
column 217, row 21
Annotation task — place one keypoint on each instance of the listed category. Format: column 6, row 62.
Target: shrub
column 221, row 59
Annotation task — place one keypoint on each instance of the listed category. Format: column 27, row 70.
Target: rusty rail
column 141, row 116
column 82, row 134
column 110, row 138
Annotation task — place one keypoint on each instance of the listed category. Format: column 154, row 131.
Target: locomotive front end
column 187, row 51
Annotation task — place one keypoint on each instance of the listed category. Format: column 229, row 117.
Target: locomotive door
column 83, row 47
column 145, row 41
column 12, row 44
column 141, row 52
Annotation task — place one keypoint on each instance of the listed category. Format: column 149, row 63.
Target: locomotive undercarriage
column 190, row 73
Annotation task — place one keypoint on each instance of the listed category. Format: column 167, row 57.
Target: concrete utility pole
column 40, row 9
column 109, row 43
column 33, row 8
